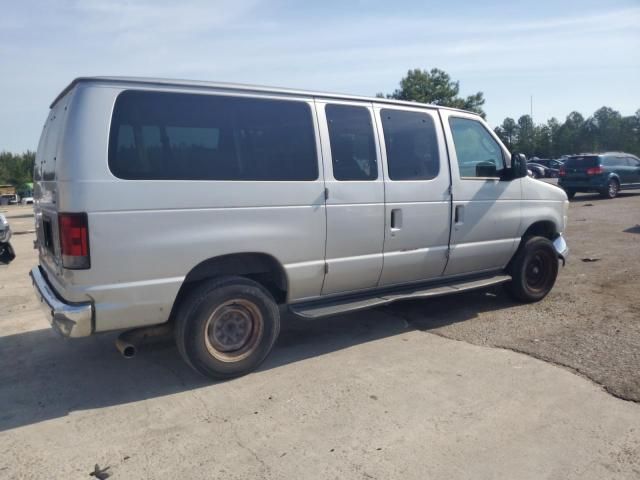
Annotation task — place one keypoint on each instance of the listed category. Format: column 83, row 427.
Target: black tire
column 226, row 327
column 570, row 193
column 533, row 269
column 613, row 187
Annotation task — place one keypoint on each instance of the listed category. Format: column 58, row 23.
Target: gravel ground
column 368, row 395
column 590, row 322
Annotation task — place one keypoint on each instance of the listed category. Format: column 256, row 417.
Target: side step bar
column 334, row 306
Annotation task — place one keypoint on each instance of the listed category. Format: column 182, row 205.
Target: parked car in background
column 540, row 171
column 206, row 209
column 605, row 173
column 537, row 171
column 26, row 200
column 545, row 162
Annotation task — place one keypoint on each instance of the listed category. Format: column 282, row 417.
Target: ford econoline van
column 206, row 210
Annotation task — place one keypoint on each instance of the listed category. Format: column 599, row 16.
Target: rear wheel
column 227, row 326
column 613, row 187
column 533, row 270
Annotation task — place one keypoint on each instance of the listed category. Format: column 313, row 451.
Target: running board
column 317, row 309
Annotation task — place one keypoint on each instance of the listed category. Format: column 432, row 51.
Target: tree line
column 605, row 130
column 16, row 169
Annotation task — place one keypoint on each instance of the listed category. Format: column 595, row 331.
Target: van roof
column 164, row 82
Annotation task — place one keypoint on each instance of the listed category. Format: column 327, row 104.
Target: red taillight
column 74, row 240
column 594, row 171
column 562, row 172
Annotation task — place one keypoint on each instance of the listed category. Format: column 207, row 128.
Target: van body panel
column 146, row 235
column 542, row 202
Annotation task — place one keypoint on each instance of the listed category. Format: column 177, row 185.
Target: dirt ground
column 368, row 395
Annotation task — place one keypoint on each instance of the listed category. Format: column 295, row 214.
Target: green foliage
column 16, row 169
column 437, row 88
column 605, row 130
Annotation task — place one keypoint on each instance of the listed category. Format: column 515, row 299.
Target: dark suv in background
column 605, row 173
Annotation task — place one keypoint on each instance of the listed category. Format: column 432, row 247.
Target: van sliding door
column 418, row 200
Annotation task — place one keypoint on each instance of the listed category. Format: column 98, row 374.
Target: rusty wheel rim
column 233, row 330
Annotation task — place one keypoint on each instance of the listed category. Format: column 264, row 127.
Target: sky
column 567, row 54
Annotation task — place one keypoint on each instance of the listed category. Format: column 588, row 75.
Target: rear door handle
column 396, row 219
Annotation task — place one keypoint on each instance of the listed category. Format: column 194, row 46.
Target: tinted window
column 353, row 149
column 205, row 137
column 634, row 162
column 411, row 144
column 478, row 153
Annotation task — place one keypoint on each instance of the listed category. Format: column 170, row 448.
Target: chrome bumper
column 68, row 319
column 561, row 248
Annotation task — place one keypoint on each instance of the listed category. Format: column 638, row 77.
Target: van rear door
column 45, row 186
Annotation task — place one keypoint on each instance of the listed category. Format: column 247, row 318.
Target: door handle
column 458, row 216
column 396, row 219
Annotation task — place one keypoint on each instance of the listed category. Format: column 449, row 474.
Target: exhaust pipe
column 128, row 342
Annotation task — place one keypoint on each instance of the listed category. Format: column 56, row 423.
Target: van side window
column 478, row 153
column 411, row 144
column 353, row 150
column 160, row 135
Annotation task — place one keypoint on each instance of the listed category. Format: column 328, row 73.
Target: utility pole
column 532, row 109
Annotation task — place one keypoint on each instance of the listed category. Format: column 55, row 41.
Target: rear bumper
column 68, row 319
column 562, row 249
column 591, row 185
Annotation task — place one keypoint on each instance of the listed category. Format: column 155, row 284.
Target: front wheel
column 227, row 326
column 533, row 270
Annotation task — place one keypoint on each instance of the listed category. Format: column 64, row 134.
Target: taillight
column 74, row 240
column 594, row 171
column 562, row 172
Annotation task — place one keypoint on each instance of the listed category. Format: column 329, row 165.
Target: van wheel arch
column 542, row 228
column 259, row 267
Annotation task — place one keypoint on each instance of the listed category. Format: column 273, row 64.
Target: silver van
column 209, row 209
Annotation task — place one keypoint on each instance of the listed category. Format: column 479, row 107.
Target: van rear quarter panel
column 146, row 235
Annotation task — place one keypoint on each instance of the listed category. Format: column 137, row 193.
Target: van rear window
column 582, row 161
column 173, row 136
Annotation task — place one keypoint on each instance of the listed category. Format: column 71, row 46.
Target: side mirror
column 518, row 167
